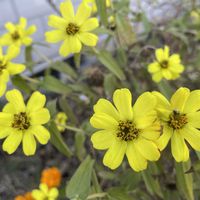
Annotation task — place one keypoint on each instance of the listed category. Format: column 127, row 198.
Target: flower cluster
column 143, row 130
column 50, row 180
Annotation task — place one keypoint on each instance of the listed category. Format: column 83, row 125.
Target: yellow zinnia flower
column 126, row 129
column 180, row 119
column 73, row 29
column 165, row 66
column 19, row 122
column 60, row 121
column 8, row 68
column 44, row 193
column 17, row 34
column 92, row 3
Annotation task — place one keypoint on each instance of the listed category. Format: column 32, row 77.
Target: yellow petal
column 22, row 22
column 4, row 131
column 104, row 106
column 41, row 134
column 166, row 52
column 53, row 193
column 192, row 135
column 179, row 98
column 29, row 144
column 135, row 159
column 12, row 142
column 89, row 24
column 55, row 36
column 6, row 119
column 147, row 149
column 70, row 45
column 39, row 117
column 179, row 149
column 143, row 122
column 37, row 194
column 103, row 139
column 27, row 41
column 12, row 52
column 160, row 55
column 67, row 10
column 151, row 133
column 57, row 22
column 162, row 102
column 194, row 119
column 165, row 137
column 88, row 39
column 174, row 60
column 32, row 29
column 9, row 108
column 193, row 102
column 36, row 102
column 14, row 68
column 103, row 121
column 177, row 68
column 15, row 97
column 4, row 76
column 157, row 76
column 83, row 13
column 153, row 67
column 166, row 74
column 123, row 101
column 115, row 154
column 2, row 88
column 145, row 103
column 10, row 27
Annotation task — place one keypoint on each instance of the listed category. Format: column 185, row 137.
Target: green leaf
column 79, row 185
column 152, row 184
column 51, row 106
column 64, row 68
column 118, row 193
column 52, row 84
column 28, row 57
column 67, row 109
column 79, row 145
column 101, row 7
column 110, row 84
column 57, row 140
column 20, row 83
column 124, row 30
column 184, row 181
column 109, row 62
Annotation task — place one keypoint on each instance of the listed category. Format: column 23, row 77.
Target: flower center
column 177, row 120
column 21, row 121
column 15, row 35
column 72, row 29
column 164, row 64
column 127, row 130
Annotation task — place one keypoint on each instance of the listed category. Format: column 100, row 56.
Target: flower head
column 165, row 66
column 51, row 177
column 7, row 67
column 60, row 121
column 26, row 196
column 126, row 129
column 72, row 29
column 17, row 34
column 23, row 123
column 92, row 3
column 44, row 193
column 180, row 118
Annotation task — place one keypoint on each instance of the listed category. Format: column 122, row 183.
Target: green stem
column 95, row 182
column 71, row 128
column 30, row 79
column 97, row 195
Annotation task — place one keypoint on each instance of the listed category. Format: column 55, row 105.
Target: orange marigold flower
column 51, row 177
column 26, row 196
